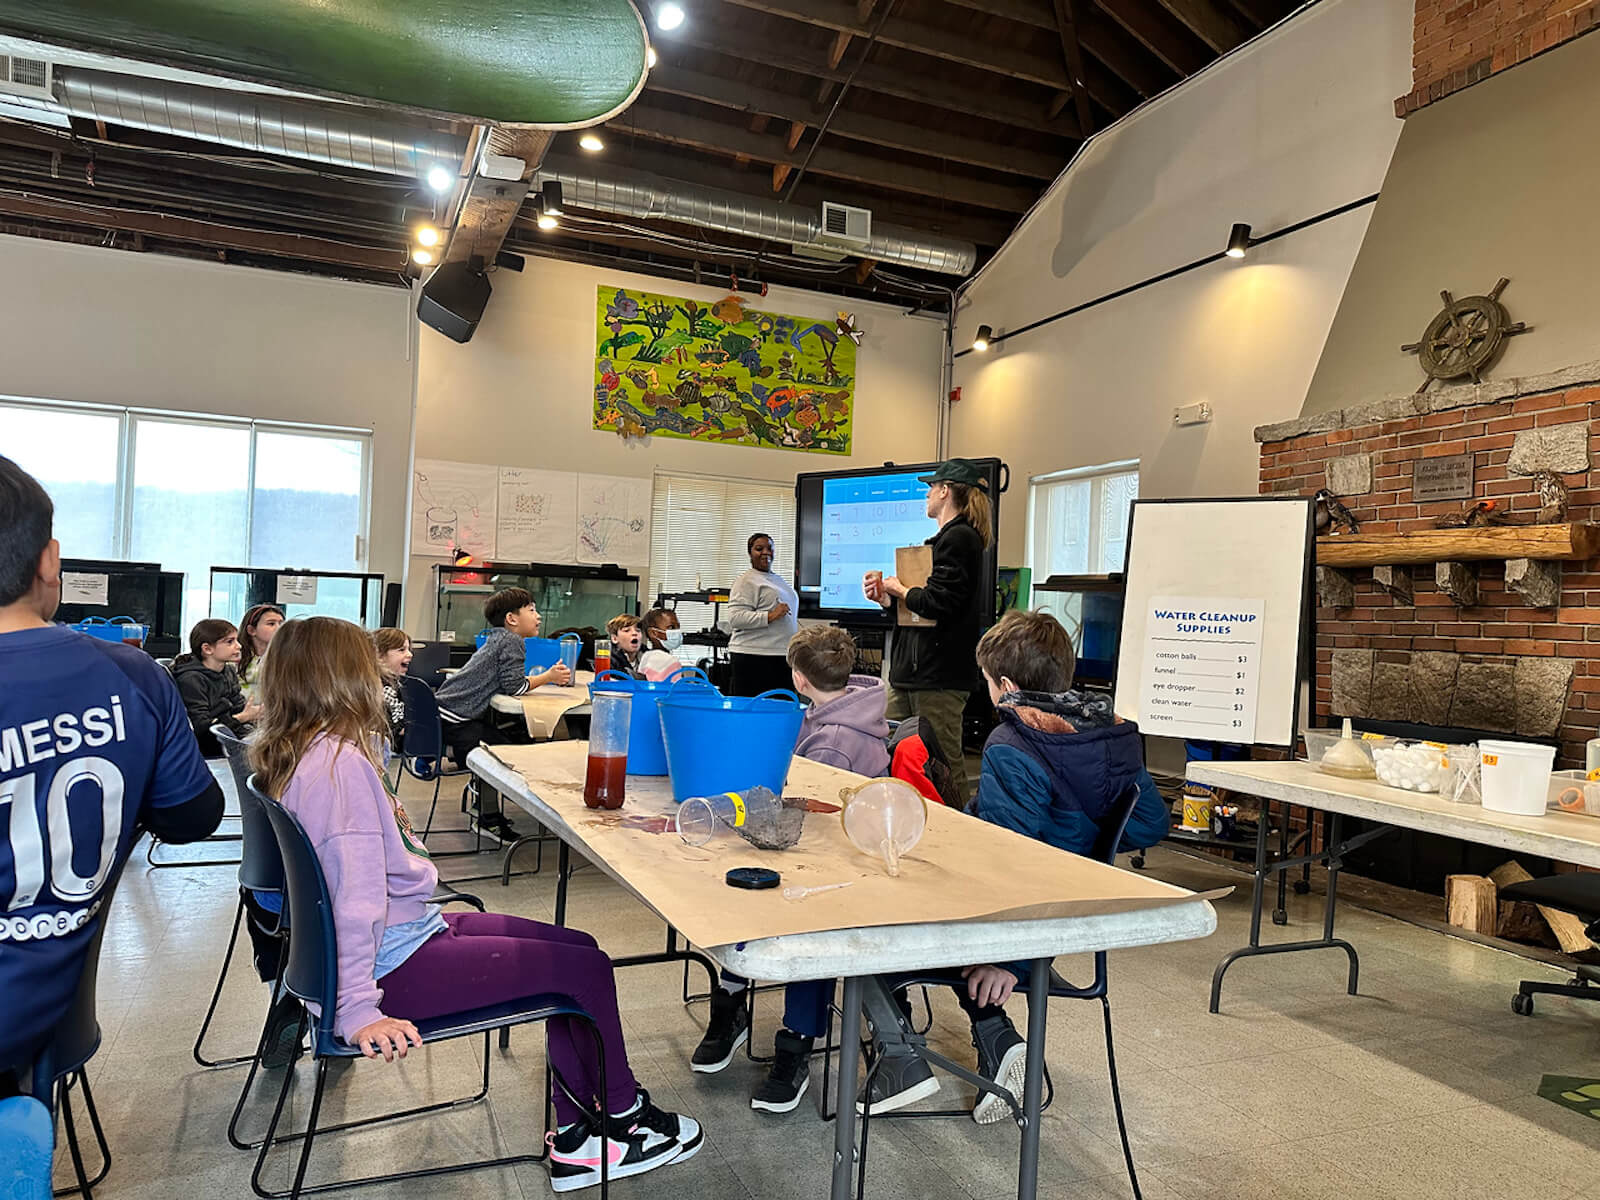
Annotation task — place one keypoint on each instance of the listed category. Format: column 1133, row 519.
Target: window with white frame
column 1078, row 520
column 699, row 525
column 192, row 492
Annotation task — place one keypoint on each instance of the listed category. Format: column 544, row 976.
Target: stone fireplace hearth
column 1505, row 645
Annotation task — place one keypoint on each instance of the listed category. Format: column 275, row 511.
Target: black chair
column 428, row 662
column 1579, row 894
column 58, row 1069
column 311, row 973
column 424, row 757
column 1105, row 850
column 260, row 873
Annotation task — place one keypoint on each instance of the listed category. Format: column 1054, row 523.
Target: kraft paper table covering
column 544, row 707
column 963, row 869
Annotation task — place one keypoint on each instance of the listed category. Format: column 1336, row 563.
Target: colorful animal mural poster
column 728, row 372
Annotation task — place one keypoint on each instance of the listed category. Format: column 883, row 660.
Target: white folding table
column 856, row 953
column 1564, row 837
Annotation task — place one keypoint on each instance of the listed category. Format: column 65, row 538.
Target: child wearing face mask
column 664, row 638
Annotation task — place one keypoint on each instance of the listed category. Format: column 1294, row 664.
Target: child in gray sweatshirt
column 496, row 667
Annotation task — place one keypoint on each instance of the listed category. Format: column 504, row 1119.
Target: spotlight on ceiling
column 981, row 342
column 427, row 235
column 669, row 16
column 421, row 257
column 550, row 199
column 591, row 142
column 546, row 221
column 650, row 57
column 440, row 178
column 1238, row 241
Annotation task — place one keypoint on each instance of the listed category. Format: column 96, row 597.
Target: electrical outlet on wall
column 1192, row 414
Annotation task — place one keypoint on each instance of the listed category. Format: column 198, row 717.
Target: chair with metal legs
column 311, row 973
column 1577, row 893
column 59, row 1069
column 1105, row 850
column 424, row 757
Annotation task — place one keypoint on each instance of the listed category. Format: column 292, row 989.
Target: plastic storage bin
column 1516, row 776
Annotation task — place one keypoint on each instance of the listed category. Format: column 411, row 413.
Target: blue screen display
column 865, row 518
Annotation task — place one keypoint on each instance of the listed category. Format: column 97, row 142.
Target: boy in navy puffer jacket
column 1053, row 769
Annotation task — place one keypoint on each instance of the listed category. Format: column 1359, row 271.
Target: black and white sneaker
column 493, row 827
column 1003, row 1060
column 780, row 1092
column 638, row 1141
column 901, row 1079
column 728, row 1029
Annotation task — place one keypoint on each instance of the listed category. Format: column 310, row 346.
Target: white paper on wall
column 453, row 508
column 613, row 520
column 537, row 515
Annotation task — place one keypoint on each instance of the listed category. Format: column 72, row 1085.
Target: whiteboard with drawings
column 1216, row 613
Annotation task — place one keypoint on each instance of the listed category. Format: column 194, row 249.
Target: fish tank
column 354, row 596
column 1090, row 608
column 143, row 591
column 567, row 597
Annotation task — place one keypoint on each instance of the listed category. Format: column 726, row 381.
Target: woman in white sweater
column 761, row 615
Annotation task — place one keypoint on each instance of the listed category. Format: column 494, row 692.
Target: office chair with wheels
column 1579, row 894
column 311, row 973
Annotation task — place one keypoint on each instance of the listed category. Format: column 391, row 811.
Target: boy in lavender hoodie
column 845, row 728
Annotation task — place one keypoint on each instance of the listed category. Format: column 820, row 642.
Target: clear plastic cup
column 571, row 646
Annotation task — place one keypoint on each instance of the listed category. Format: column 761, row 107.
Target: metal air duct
column 340, row 135
column 635, row 194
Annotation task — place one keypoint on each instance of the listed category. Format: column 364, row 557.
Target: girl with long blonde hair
column 400, row 958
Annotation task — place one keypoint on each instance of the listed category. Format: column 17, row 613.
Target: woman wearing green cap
column 932, row 668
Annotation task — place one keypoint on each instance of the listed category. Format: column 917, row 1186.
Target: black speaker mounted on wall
column 453, row 299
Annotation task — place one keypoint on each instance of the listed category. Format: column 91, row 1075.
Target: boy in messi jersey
column 95, row 747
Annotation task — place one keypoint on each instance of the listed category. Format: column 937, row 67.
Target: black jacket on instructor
column 943, row 656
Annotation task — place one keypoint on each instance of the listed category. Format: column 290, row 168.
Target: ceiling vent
column 845, row 227
column 25, row 77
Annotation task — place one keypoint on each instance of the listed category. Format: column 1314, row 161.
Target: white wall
column 1294, row 124
column 118, row 327
column 520, row 393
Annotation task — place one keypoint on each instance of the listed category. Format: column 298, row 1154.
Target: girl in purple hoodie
column 400, row 958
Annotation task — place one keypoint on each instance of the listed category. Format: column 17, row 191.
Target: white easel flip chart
column 1215, row 617
column 1202, row 667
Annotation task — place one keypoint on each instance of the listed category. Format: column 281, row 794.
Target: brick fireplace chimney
column 1457, row 43
column 1495, row 645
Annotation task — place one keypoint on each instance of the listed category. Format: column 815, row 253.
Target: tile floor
column 1423, row 1085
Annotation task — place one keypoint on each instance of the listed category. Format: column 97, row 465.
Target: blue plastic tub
column 539, row 654
column 718, row 743
column 117, row 629
column 647, row 755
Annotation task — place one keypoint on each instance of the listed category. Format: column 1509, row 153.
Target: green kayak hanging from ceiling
column 554, row 63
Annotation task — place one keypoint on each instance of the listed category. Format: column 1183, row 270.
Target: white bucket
column 1516, row 776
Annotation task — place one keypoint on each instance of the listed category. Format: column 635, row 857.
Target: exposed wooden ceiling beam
column 1266, row 12
column 900, row 135
column 720, row 138
column 1168, row 40
column 991, row 106
column 896, row 209
column 1098, row 37
column 1214, row 24
column 1045, row 70
column 206, row 233
column 1072, row 54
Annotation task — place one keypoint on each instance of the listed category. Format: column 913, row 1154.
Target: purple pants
column 490, row 958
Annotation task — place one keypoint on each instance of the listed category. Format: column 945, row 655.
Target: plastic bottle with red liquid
column 604, row 782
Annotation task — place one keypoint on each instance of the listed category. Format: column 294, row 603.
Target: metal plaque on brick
column 1442, row 479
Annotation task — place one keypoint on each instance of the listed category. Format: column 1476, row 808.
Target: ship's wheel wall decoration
column 1463, row 339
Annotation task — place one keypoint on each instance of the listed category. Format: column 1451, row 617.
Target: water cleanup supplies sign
column 1202, row 666
column 78, row 587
